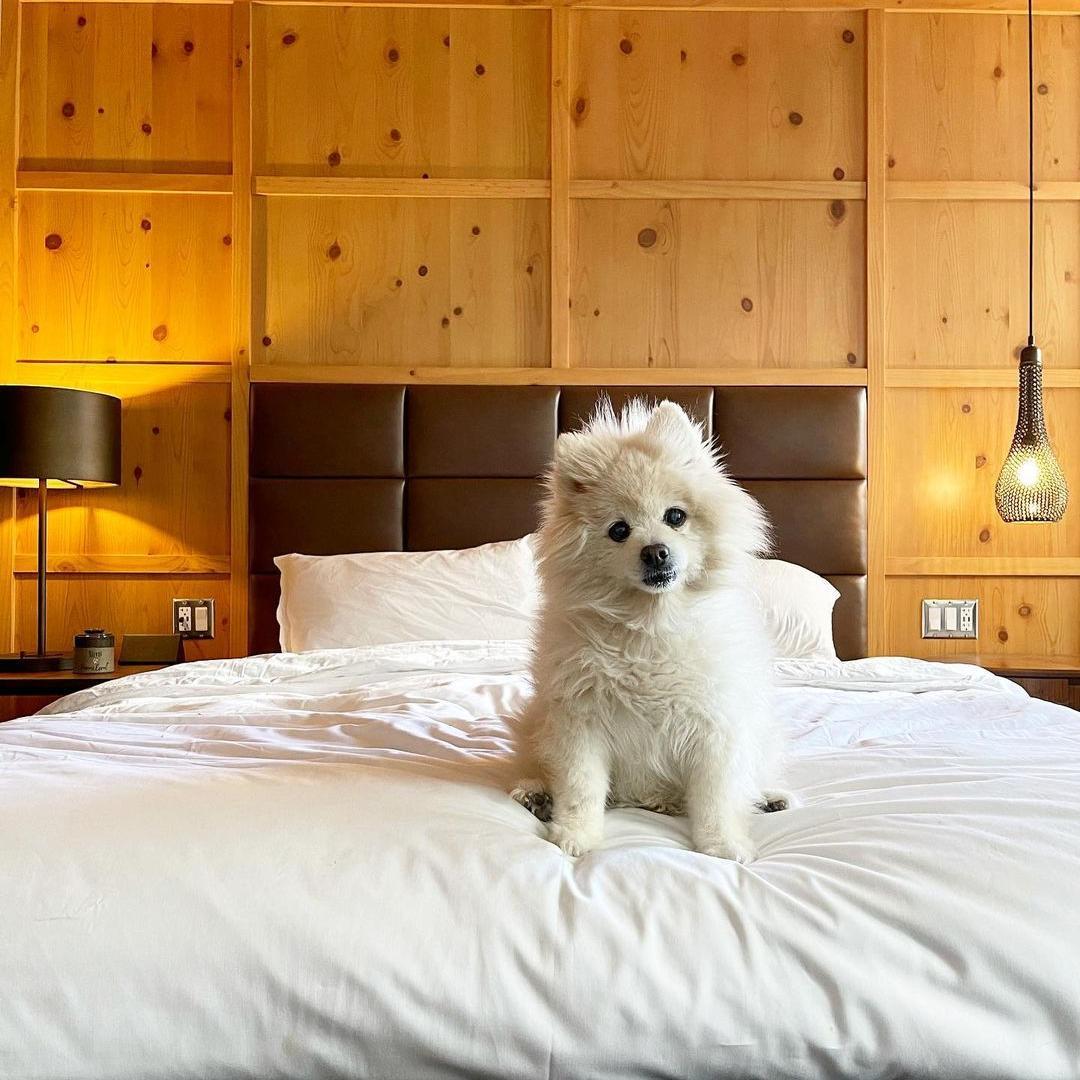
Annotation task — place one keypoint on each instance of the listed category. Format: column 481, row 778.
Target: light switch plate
column 193, row 618
column 950, row 618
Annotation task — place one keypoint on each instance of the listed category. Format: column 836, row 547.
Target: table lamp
column 55, row 438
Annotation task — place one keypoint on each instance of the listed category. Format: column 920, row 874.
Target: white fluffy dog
column 651, row 665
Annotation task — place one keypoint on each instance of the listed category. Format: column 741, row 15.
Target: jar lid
column 95, row 639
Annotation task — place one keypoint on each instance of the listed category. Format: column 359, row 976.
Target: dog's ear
column 670, row 424
column 578, row 462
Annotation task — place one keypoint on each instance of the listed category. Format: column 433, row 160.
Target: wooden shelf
column 89, row 180
column 201, row 565
column 980, row 378
column 718, row 189
column 547, row 376
column 367, row 187
column 979, row 190
column 991, row 566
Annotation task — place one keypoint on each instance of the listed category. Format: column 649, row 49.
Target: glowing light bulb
column 1028, row 474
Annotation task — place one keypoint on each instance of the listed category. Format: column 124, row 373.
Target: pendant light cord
column 1031, row 175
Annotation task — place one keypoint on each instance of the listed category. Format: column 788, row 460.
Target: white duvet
column 307, row 866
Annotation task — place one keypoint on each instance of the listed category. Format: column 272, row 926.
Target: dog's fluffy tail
column 531, row 794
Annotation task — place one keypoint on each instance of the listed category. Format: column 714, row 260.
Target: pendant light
column 1031, row 486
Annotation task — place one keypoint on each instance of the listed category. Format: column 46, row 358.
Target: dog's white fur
column 650, row 696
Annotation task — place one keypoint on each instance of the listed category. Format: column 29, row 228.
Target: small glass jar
column 95, row 653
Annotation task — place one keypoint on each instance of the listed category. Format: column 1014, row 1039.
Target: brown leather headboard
column 388, row 468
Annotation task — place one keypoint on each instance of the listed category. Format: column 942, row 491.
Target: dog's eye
column 619, row 532
column 674, row 516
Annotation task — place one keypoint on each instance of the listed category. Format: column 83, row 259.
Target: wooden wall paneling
column 241, row 324
column 9, row 238
column 391, row 281
column 1019, row 616
column 561, row 252
column 962, row 82
column 722, row 95
column 957, row 279
column 123, row 603
column 125, row 277
column 746, row 283
column 119, row 86
column 877, row 402
column 445, row 92
column 945, row 447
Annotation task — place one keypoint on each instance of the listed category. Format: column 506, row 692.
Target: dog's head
column 638, row 503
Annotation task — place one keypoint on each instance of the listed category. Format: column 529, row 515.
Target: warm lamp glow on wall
column 55, row 438
column 1031, row 486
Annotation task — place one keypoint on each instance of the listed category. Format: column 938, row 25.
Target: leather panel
column 464, row 513
column 578, row 402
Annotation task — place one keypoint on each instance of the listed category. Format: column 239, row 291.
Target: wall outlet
column 950, row 618
column 193, row 618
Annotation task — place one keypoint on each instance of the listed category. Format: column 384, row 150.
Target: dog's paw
column 531, row 795
column 775, row 800
column 572, row 841
column 739, row 849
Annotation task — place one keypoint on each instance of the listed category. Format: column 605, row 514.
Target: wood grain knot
column 746, row 304
column 333, row 158
column 480, row 69
column 476, row 230
column 155, row 430
column 101, row 111
column 838, row 173
column 446, row 40
column 267, row 340
column 1024, row 610
column 189, row 47
column 999, row 72
column 966, row 407
column 596, row 312
column 646, row 238
column 137, row 473
column 34, row 328
column 81, row 20
column 1068, row 276
column 445, row 321
column 581, row 106
column 738, row 59
column 334, row 251
column 984, row 536
column 980, row 461
column 529, row 269
column 457, row 311
column 422, row 270
column 852, row 358
column 626, row 46
column 153, row 50
column 161, row 332
column 945, row 320
column 226, row 240
column 891, row 163
column 425, row 176
column 392, row 55
column 1003, row 635
column 68, row 109
column 837, row 209
column 848, row 36
column 398, row 283
column 53, row 241
column 682, row 55
column 794, row 118
column 145, row 225
column 395, row 135
column 1043, row 89
column 288, row 39
column 146, row 128
column 227, row 416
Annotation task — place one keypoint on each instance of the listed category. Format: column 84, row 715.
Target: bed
column 307, row 865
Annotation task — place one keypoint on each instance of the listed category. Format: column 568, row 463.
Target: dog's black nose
column 655, row 556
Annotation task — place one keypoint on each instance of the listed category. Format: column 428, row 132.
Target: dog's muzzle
column 658, row 570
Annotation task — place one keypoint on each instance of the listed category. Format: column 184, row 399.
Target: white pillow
column 798, row 606
column 340, row 601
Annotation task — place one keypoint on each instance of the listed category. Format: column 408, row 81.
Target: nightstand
column 1050, row 678
column 23, row 693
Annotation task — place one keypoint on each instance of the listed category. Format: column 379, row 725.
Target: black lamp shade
column 68, row 437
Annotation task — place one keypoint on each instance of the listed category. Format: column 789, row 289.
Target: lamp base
column 34, row 662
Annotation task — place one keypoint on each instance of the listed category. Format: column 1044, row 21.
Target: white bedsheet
column 307, row 866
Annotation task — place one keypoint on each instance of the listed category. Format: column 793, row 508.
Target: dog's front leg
column 578, row 774
column 718, row 804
